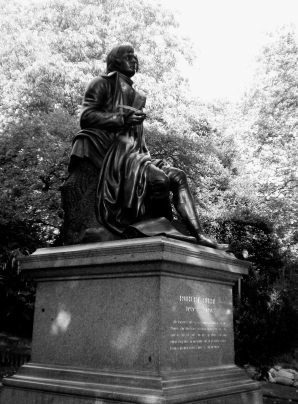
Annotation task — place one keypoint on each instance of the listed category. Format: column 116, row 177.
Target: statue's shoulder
column 109, row 76
column 103, row 78
column 102, row 82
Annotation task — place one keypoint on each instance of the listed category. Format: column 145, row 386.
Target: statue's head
column 123, row 59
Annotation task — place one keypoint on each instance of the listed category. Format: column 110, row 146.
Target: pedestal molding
column 142, row 388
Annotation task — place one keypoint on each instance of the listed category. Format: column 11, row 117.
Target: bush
column 17, row 297
column 266, row 316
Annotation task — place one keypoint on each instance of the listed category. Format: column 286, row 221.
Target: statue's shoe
column 207, row 242
column 223, row 247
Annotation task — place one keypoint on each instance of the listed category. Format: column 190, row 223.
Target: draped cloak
column 118, row 151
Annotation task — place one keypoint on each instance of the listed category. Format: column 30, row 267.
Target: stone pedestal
column 146, row 321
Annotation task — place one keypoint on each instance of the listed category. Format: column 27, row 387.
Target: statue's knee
column 181, row 177
column 177, row 177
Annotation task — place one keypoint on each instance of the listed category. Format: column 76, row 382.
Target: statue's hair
column 113, row 58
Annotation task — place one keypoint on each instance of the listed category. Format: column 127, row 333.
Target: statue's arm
column 97, row 102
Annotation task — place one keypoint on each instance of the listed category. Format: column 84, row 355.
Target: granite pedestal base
column 145, row 321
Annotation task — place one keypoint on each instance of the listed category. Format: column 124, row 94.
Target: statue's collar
column 125, row 78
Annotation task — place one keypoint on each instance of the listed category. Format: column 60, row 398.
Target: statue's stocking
column 185, row 206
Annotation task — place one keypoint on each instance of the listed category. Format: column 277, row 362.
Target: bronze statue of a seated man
column 113, row 184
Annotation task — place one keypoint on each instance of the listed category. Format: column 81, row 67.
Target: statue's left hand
column 136, row 118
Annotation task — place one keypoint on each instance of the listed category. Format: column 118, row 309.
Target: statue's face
column 128, row 64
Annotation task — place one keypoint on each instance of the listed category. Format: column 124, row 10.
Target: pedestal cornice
column 147, row 257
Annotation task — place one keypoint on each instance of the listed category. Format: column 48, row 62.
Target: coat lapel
column 138, row 102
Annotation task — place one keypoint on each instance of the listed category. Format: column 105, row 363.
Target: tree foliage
column 49, row 51
column 260, row 206
column 240, row 160
column 271, row 106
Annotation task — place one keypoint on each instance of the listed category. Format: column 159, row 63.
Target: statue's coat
column 119, row 152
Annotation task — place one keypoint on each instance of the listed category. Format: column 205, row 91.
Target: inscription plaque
column 194, row 335
column 199, row 324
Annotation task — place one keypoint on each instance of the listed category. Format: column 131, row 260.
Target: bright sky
column 228, row 35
